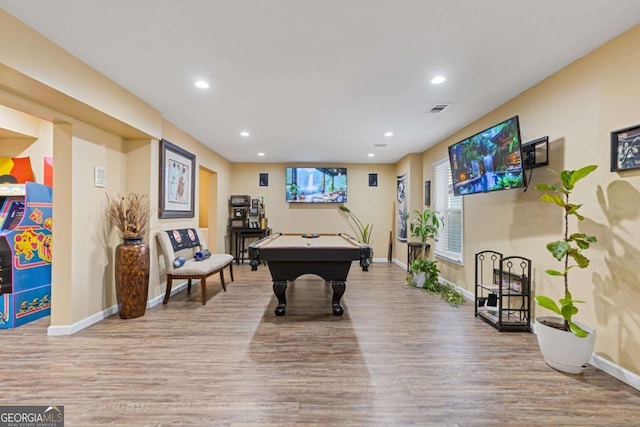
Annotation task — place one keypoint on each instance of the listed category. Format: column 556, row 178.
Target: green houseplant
column 424, row 273
column 554, row 334
column 424, row 225
column 364, row 229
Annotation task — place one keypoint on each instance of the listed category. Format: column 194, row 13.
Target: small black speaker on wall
column 373, row 180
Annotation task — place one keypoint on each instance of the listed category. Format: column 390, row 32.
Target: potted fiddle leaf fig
column 565, row 343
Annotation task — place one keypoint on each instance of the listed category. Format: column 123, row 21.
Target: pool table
column 289, row 256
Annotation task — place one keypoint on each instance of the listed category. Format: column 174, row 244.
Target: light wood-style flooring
column 398, row 356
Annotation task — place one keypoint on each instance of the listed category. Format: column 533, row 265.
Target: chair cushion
column 213, row 263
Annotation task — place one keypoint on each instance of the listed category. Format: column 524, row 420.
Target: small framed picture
column 427, row 193
column 264, row 180
column 625, row 149
column 373, row 180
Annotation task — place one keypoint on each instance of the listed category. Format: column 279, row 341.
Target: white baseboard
column 468, row 295
column 396, row 261
column 97, row 317
column 616, row 371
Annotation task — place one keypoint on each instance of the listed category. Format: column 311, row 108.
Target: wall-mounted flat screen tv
column 490, row 160
column 316, row 185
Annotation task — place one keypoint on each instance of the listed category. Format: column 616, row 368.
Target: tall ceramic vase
column 132, row 277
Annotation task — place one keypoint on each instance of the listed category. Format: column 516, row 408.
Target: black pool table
column 289, row 256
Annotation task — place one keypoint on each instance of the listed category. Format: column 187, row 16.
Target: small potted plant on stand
column 423, row 225
column 130, row 215
column 424, row 272
column 566, row 345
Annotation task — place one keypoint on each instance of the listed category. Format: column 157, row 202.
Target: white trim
column 468, row 295
column 616, row 371
column 53, row 331
column 396, row 261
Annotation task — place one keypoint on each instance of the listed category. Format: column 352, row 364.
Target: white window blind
column 450, row 240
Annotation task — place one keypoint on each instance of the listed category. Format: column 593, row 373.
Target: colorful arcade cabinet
column 25, row 253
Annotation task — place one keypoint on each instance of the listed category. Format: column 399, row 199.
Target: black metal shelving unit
column 503, row 291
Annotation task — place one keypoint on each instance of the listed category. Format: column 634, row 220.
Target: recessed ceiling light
column 261, row 154
column 379, row 145
column 437, row 80
column 388, row 134
column 202, row 84
column 370, row 154
column 245, row 133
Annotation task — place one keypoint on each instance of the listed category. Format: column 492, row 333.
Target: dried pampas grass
column 129, row 215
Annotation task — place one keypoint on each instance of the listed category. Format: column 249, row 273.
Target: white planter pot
column 563, row 350
column 419, row 279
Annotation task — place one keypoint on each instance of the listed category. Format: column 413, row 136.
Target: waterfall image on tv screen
column 490, row 160
column 316, row 185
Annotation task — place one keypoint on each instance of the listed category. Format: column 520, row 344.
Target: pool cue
column 390, row 251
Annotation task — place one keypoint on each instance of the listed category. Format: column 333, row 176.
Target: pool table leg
column 364, row 263
column 280, row 288
column 338, row 291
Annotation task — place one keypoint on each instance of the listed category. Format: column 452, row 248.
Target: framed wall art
column 427, row 193
column 373, row 180
column 177, row 181
column 263, row 180
column 625, row 149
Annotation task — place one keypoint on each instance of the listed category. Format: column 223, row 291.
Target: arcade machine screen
column 14, row 215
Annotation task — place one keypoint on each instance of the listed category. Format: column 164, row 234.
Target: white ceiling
column 323, row 80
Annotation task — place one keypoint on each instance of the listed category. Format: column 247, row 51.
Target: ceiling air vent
column 437, row 108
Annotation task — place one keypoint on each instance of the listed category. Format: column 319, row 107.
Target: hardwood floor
column 398, row 356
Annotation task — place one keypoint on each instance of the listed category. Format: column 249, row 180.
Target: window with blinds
column 450, row 239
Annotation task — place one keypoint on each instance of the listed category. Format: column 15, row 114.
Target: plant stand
column 503, row 291
column 414, row 249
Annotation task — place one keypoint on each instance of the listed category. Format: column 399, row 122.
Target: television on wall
column 490, row 160
column 316, row 185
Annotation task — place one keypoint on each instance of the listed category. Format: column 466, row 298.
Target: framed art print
column 177, row 182
column 625, row 148
column 427, row 193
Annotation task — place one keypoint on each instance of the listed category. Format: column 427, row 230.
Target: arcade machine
column 25, row 253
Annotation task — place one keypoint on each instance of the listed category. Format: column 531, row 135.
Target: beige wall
column 577, row 108
column 372, row 205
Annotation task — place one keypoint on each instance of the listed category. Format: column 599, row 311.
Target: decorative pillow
column 202, row 255
column 183, row 239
